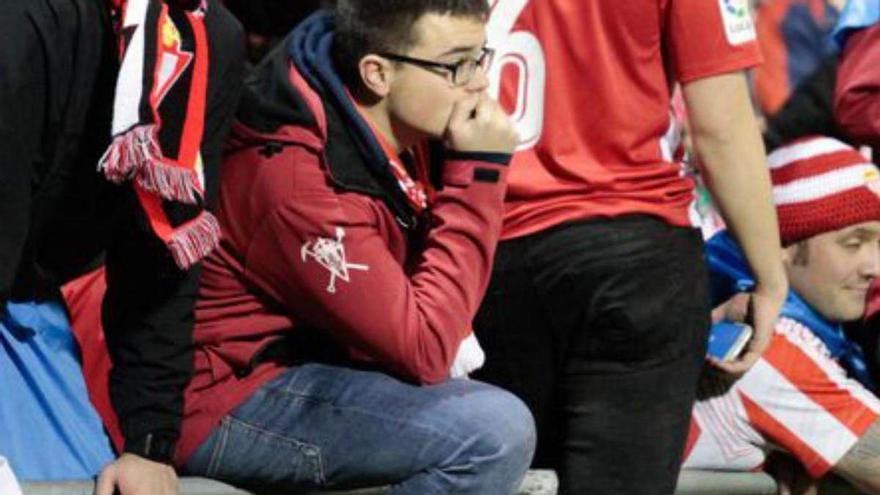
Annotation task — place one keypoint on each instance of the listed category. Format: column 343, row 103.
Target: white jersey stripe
column 669, row 142
column 802, row 337
column 807, row 149
column 823, row 185
column 806, row 419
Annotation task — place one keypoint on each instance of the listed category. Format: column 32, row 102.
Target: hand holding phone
column 727, row 339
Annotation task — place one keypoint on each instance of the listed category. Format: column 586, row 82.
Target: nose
column 870, row 266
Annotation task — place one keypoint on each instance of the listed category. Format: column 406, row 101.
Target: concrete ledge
column 722, row 483
column 537, row 482
column 188, row 486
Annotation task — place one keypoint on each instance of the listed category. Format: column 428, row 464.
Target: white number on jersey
column 521, row 50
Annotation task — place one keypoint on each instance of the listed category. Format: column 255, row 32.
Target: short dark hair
column 376, row 26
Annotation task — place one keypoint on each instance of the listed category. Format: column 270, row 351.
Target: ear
column 797, row 254
column 376, row 73
column 788, row 254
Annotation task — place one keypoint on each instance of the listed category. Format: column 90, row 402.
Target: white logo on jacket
column 330, row 253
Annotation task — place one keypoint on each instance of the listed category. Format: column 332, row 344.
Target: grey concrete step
column 537, row 482
column 722, row 483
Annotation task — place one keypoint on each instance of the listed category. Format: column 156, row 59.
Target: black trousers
column 601, row 328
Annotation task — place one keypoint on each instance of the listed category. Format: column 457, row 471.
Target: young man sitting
column 354, row 256
column 809, row 394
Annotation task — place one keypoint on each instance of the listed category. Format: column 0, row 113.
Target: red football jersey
column 589, row 85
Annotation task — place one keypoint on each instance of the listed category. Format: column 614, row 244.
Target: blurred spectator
column 76, row 81
column 810, row 394
column 808, row 111
column 857, row 98
column 266, row 22
column 793, row 38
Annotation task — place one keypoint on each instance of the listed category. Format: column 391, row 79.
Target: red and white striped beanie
column 820, row 185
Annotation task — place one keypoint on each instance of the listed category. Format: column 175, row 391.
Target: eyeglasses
column 462, row 71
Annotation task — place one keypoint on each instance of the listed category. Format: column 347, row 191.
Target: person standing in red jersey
column 597, row 312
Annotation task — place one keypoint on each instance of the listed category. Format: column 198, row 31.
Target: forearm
column 730, row 148
column 861, row 464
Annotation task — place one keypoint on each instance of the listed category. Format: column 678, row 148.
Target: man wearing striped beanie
column 810, row 393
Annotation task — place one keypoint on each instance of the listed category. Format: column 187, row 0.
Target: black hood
column 355, row 158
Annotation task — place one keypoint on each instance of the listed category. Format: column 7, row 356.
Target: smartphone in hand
column 727, row 339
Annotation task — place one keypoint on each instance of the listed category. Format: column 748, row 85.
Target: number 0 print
column 519, row 59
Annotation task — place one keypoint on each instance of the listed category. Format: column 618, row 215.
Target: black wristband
column 157, row 447
column 482, row 156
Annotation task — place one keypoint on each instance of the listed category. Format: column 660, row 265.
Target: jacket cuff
column 480, row 156
column 463, row 169
column 155, row 446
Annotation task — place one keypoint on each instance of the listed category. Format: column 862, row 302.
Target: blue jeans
column 319, row 426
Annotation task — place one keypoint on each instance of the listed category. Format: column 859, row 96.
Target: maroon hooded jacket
column 315, row 236
column 857, row 96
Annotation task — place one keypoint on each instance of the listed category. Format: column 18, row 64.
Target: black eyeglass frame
column 484, row 61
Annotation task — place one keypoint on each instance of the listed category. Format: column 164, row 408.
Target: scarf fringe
column 136, row 154
column 129, row 153
column 195, row 240
column 169, row 182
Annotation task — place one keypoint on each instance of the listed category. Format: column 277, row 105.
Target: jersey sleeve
column 710, row 37
column 802, row 400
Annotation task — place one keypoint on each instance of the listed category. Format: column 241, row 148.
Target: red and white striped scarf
column 158, row 121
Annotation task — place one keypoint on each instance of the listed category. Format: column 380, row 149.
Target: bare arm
column 727, row 141
column 861, row 465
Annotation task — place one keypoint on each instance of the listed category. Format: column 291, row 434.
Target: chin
column 434, row 134
column 854, row 312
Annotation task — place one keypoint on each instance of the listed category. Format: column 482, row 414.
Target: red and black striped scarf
column 158, row 121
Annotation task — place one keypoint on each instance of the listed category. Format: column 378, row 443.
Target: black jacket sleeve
column 148, row 309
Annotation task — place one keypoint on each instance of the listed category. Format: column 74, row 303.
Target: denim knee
column 501, row 429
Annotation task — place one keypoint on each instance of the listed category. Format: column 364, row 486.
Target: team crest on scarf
column 174, row 59
column 330, row 254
